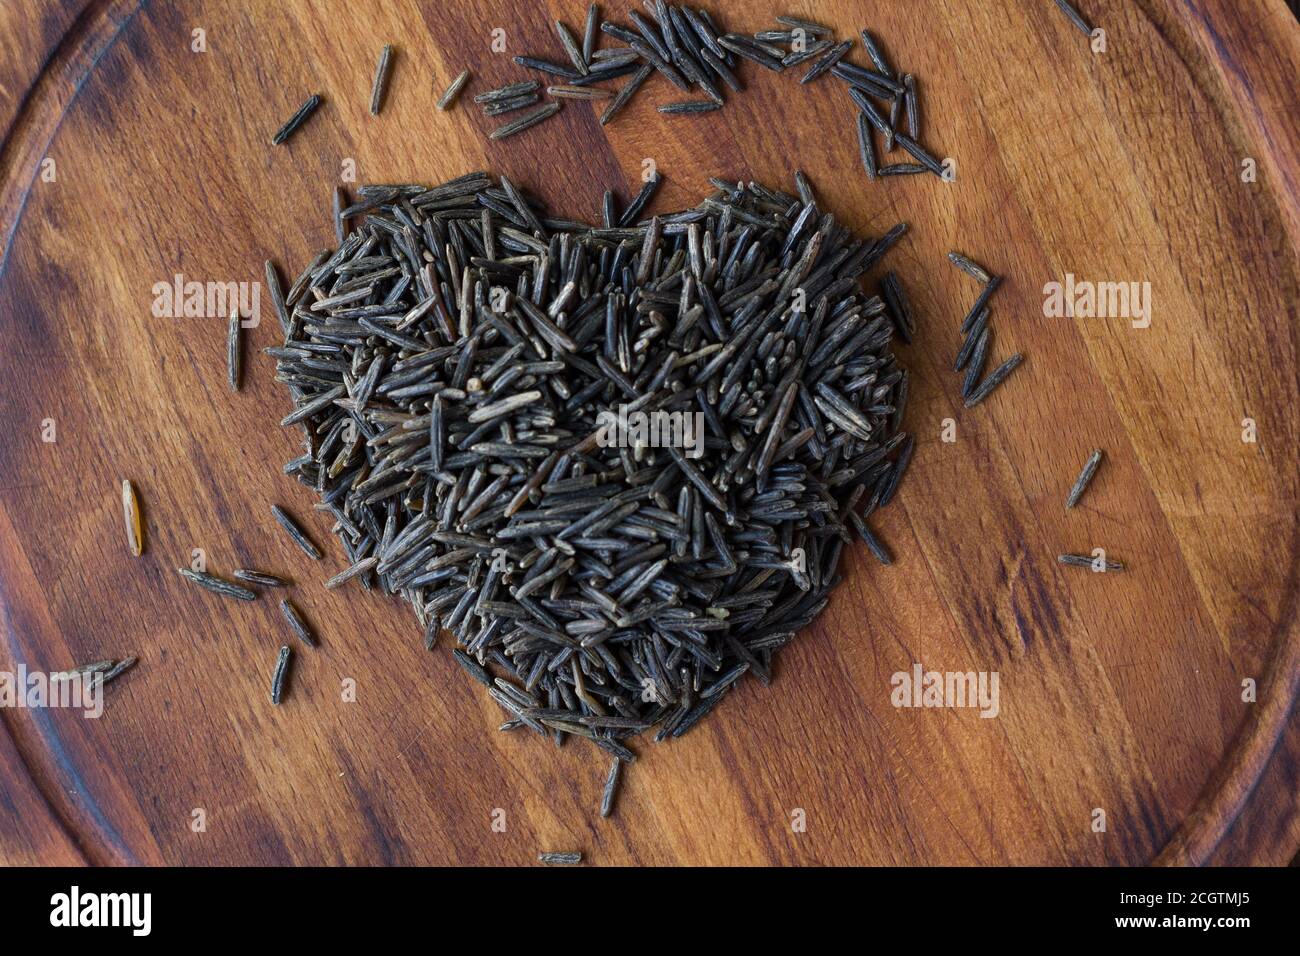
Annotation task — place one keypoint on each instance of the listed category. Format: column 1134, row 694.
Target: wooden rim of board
column 1257, row 740
column 1249, row 763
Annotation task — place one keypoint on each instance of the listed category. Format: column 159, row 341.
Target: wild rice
column 216, row 585
column 461, row 457
column 578, row 92
column 526, row 121
column 295, row 532
column 591, row 32
column 297, row 622
column 281, row 673
column 1075, row 17
column 134, row 524
column 611, row 787
column 232, row 350
column 453, row 90
column 970, row 267
column 995, row 378
column 1085, row 476
column 560, row 859
column 690, row 106
column 832, row 56
column 625, row 93
column 299, row 117
column 1089, row 562
column 260, row 578
column 571, row 48
column 379, row 88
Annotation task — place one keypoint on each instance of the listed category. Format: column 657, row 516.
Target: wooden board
column 1119, row 692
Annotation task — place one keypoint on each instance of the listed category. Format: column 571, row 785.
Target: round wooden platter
column 1168, row 159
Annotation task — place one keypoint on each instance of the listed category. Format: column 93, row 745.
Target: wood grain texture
column 1121, row 692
